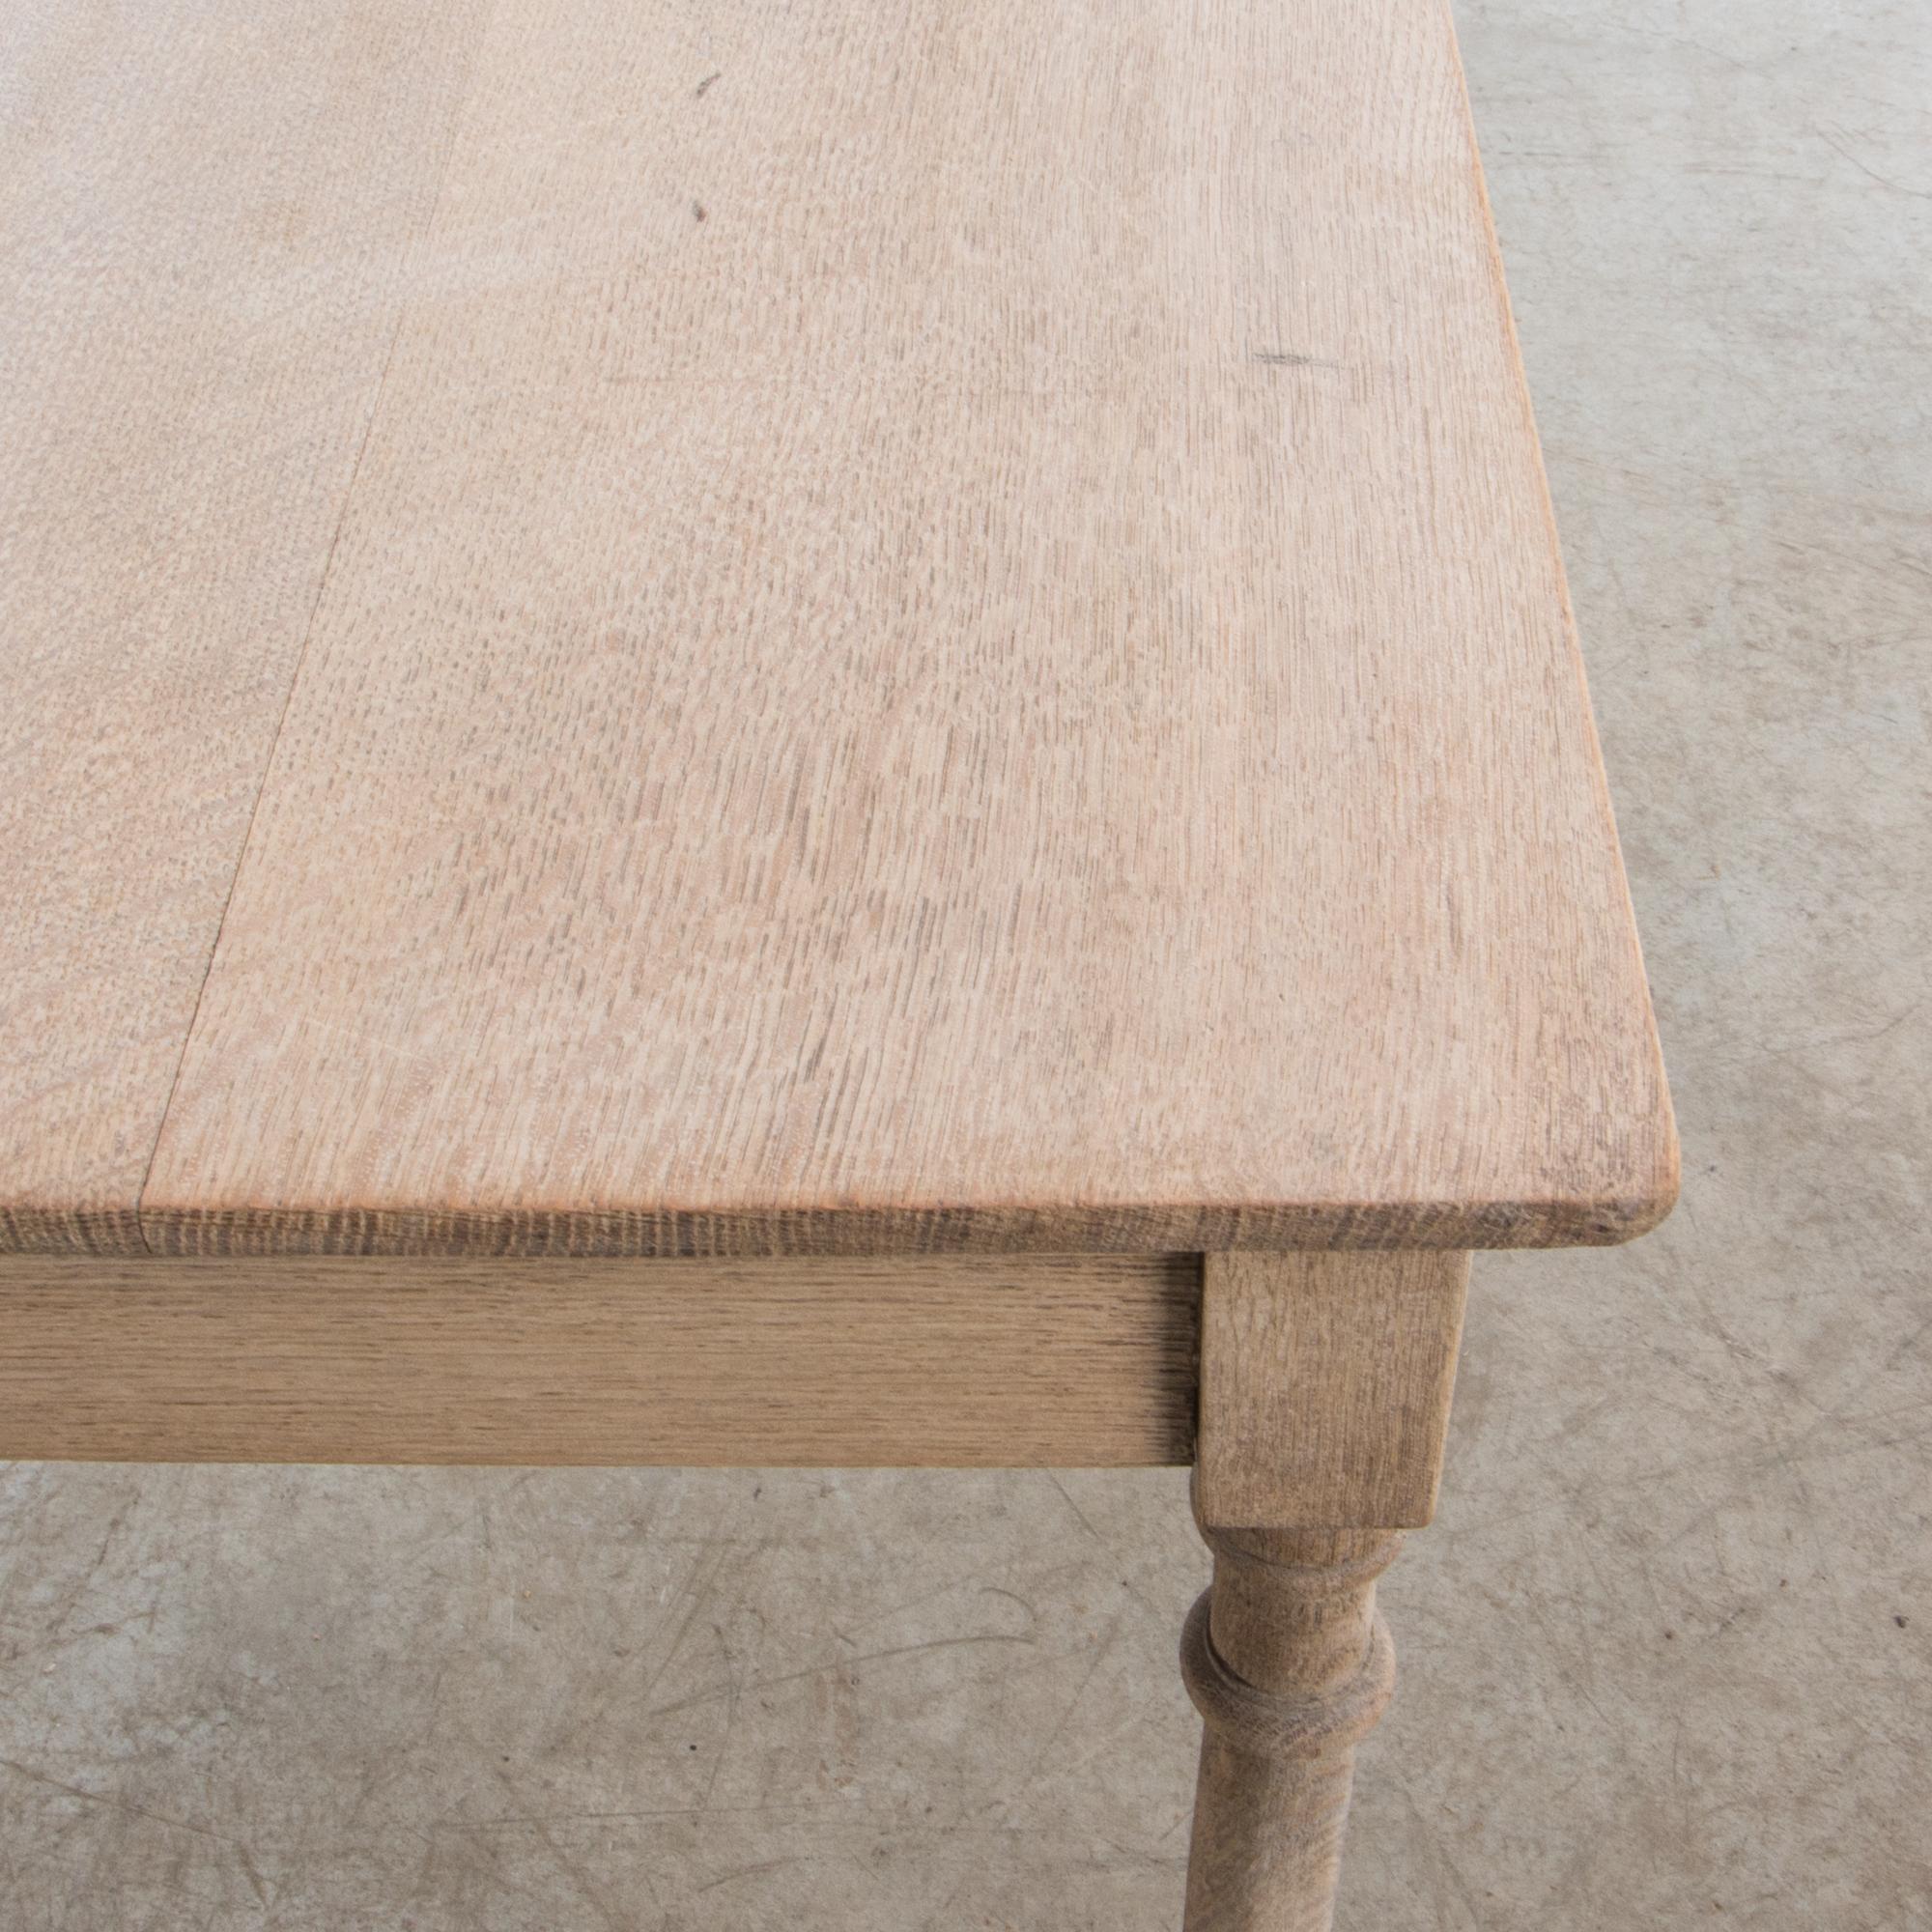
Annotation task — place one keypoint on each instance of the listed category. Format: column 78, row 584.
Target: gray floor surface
column 1666, row 1654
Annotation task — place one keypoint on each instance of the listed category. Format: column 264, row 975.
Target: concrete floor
column 1667, row 1654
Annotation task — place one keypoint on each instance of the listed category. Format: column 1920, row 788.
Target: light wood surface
column 955, row 1361
column 1324, row 1405
column 1290, row 1667
column 947, row 637
column 207, row 214
column 1326, row 1381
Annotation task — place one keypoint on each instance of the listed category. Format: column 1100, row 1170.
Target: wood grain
column 947, row 637
column 1324, row 1405
column 1290, row 1666
column 1326, row 1381
column 948, row 1361
column 206, row 214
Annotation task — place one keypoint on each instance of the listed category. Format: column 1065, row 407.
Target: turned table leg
column 1289, row 1665
column 1325, row 1384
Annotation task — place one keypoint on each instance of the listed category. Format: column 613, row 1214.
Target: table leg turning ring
column 1326, row 1381
column 1290, row 1667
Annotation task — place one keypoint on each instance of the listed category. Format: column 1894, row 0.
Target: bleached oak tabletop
column 743, row 727
column 821, row 628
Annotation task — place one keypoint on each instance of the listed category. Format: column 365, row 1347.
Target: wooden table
column 825, row 734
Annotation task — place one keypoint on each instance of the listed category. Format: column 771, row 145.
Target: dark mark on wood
column 698, row 210
column 1287, row 358
column 698, row 91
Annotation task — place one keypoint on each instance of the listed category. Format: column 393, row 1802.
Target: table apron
column 943, row 1362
